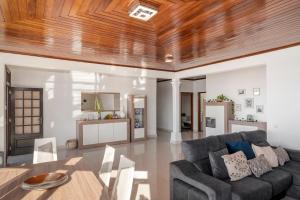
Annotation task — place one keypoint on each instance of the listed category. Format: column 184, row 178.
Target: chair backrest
column 107, row 163
column 44, row 150
column 123, row 184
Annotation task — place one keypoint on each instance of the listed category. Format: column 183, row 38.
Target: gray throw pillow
column 259, row 165
column 282, row 155
column 218, row 167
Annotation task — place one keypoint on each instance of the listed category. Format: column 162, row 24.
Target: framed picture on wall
column 241, row 91
column 237, row 107
column 256, row 91
column 259, row 109
column 249, row 103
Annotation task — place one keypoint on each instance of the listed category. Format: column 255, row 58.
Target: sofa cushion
column 194, row 150
column 195, row 194
column 293, row 167
column 268, row 153
column 288, row 198
column 258, row 137
column 282, row 155
column 237, row 166
column 294, row 192
column 241, row 145
column 279, row 179
column 204, row 166
column 251, row 188
column 259, row 165
column 233, row 137
column 180, row 189
column 217, row 164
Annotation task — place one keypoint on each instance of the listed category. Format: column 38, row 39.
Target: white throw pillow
column 268, row 153
column 237, row 166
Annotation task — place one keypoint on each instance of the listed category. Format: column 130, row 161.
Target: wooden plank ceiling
column 195, row 32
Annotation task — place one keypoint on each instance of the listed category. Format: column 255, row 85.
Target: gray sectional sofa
column 192, row 179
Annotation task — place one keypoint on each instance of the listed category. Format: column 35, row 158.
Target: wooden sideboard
column 239, row 125
column 96, row 133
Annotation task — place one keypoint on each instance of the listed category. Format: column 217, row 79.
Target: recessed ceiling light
column 168, row 58
column 142, row 11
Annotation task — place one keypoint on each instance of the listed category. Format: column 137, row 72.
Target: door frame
column 7, row 113
column 199, row 111
column 192, row 108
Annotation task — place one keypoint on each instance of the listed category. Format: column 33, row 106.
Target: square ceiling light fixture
column 143, row 11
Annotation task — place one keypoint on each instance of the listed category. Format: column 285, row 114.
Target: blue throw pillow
column 244, row 146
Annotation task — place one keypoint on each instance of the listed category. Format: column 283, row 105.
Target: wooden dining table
column 82, row 184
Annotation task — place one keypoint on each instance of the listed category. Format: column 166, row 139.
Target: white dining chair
column 123, row 184
column 44, row 150
column 107, row 164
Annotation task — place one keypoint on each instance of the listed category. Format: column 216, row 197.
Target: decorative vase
column 99, row 115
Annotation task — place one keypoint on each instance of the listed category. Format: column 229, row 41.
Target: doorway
column 187, row 111
column 25, row 112
column 201, row 111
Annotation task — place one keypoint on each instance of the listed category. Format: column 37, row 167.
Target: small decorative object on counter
column 98, row 107
column 250, row 118
column 71, row 144
column 108, row 116
column 122, row 115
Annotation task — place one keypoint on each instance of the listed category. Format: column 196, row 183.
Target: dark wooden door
column 26, row 118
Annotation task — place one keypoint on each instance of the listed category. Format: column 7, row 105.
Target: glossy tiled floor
column 152, row 158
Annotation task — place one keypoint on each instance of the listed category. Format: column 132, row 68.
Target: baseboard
column 164, row 130
column 151, row 134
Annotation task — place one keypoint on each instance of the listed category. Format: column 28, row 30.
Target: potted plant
column 222, row 98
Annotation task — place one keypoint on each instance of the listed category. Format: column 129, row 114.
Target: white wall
column 164, row 105
column 186, row 86
column 186, row 105
column 164, row 101
column 228, row 83
column 57, row 64
column 283, row 81
column 199, row 85
column 195, row 87
column 62, row 96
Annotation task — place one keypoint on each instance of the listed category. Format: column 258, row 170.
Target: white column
column 176, row 134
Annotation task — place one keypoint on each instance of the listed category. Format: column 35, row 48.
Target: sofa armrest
column 294, row 154
column 214, row 188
